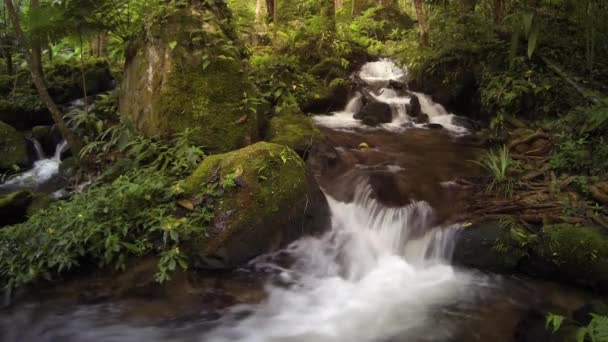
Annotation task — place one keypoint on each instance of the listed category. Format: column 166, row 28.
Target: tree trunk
column 99, row 45
column 39, row 82
column 35, row 42
column 424, row 35
column 498, row 7
column 338, row 4
column 270, row 8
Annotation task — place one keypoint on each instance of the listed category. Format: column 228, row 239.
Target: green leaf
column 532, row 42
column 528, row 18
column 580, row 334
column 554, row 322
column 173, row 44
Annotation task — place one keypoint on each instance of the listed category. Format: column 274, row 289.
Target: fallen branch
column 529, row 138
column 530, row 176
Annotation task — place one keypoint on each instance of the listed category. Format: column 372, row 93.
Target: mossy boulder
column 489, row 246
column 271, row 199
column 13, row 207
column 13, row 147
column 573, row 254
column 24, row 110
column 64, row 79
column 565, row 253
column 186, row 72
column 295, row 131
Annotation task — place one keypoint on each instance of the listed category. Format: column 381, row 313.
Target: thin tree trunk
column 35, row 42
column 8, row 57
column 424, row 35
column 82, row 73
column 39, row 82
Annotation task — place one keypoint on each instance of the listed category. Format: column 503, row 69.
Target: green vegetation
column 596, row 330
column 499, row 166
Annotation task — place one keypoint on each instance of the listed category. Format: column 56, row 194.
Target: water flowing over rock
column 275, row 200
column 186, row 72
column 383, row 101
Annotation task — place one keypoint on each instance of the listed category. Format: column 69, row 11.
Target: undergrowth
column 136, row 214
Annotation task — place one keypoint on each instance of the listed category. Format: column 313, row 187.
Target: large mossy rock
column 13, row 148
column 186, row 72
column 295, row 131
column 13, row 207
column 273, row 200
column 565, row 253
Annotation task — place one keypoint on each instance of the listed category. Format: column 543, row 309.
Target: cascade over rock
column 274, row 201
column 185, row 72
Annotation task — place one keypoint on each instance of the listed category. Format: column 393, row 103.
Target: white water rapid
column 43, row 170
column 377, row 76
column 371, row 278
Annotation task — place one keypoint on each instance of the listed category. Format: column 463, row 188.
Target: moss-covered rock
column 490, row 246
column 295, row 131
column 39, row 202
column 573, row 254
column 13, row 148
column 186, row 73
column 24, row 110
column 64, row 79
column 269, row 199
column 13, row 207
column 565, row 253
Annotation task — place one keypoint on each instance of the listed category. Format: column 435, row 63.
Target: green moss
column 210, row 100
column 293, row 130
column 581, row 252
column 39, row 202
column 13, row 148
column 266, row 179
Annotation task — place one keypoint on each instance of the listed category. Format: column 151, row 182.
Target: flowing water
column 43, row 171
column 381, row 273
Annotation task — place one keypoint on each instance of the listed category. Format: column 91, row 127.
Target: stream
column 381, row 273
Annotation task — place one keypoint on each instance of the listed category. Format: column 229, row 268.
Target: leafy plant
column 498, row 164
column 596, row 330
column 134, row 215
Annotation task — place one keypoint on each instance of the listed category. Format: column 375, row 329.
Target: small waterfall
column 42, row 172
column 377, row 275
column 378, row 77
column 37, row 148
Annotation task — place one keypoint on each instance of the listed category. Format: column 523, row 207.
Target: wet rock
column 413, row 108
column 13, row 207
column 322, row 158
column 422, row 118
column 295, row 131
column 336, row 100
column 47, row 137
column 13, row 148
column 375, row 113
column 68, row 167
column 564, row 253
column 433, row 126
column 465, row 122
column 65, row 79
column 169, row 86
column 478, row 246
column 275, row 201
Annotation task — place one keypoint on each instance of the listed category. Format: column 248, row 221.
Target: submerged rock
column 13, row 148
column 295, row 131
column 272, row 201
column 375, row 113
column 176, row 80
